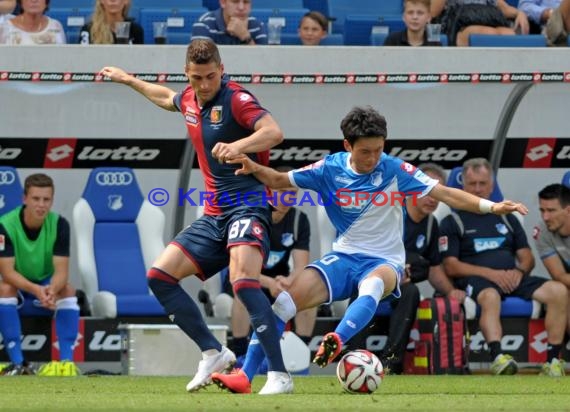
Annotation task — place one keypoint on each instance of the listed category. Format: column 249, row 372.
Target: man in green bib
column 34, row 262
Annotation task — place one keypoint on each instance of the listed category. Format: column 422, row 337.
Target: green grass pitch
column 411, row 393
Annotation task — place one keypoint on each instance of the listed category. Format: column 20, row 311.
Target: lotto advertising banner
column 86, row 153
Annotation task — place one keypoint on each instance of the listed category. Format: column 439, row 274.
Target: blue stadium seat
column 492, row 40
column 357, row 28
column 292, row 17
column 566, row 179
column 277, row 4
column 373, row 9
column 119, row 234
column 211, row 4
column 455, row 180
column 511, row 307
column 87, row 4
column 72, row 19
column 179, row 21
column 11, row 189
column 333, row 39
column 318, row 5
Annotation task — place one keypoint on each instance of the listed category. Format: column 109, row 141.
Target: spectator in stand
column 313, row 28
column 101, row 28
column 552, row 234
column 230, row 24
column 461, row 18
column 416, row 16
column 489, row 257
column 551, row 17
column 31, row 26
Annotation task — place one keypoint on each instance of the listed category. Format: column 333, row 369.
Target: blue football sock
column 262, row 320
column 356, row 317
column 11, row 329
column 181, row 309
column 66, row 326
column 255, row 353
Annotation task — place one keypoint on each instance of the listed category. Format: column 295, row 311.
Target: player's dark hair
column 556, row 191
column 202, row 51
column 363, row 122
column 318, row 18
column 38, row 180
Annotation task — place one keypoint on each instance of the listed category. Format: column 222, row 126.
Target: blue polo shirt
column 229, row 116
column 212, row 26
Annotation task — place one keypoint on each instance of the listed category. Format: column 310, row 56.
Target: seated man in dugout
column 489, row 257
column 552, row 234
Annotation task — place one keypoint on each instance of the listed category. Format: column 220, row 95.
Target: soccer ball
column 360, row 371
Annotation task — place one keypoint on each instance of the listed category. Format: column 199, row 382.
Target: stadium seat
column 492, row 40
column 179, row 21
column 511, row 307
column 321, row 6
column 72, row 19
column 358, row 28
column 371, row 9
column 566, row 179
column 278, row 4
column 292, row 17
column 211, row 4
column 119, row 234
column 11, row 189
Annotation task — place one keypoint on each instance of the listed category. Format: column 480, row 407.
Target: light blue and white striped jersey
column 365, row 209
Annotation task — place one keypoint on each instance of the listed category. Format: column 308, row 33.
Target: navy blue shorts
column 207, row 241
column 473, row 285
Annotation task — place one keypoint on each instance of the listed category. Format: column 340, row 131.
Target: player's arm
column 266, row 175
column 7, row 6
column 266, row 135
column 61, row 273
column 443, row 285
column 14, row 278
column 459, row 199
column 555, row 267
column 160, row 95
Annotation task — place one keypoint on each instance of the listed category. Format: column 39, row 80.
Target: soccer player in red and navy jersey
column 223, row 121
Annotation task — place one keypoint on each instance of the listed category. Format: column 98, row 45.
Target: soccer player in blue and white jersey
column 362, row 190
column 223, row 121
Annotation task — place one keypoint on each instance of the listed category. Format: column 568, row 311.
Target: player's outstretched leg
column 330, row 348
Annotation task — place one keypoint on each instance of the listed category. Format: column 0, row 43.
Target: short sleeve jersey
column 550, row 244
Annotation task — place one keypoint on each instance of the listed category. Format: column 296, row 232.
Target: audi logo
column 114, row 178
column 7, row 177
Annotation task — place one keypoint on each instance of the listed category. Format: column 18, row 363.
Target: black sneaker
column 15, row 370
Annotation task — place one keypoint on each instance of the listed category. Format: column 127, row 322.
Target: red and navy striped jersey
column 228, row 117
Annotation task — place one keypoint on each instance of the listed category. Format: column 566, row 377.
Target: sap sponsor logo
column 32, row 343
column 298, row 153
column 9, row 153
column 429, row 154
column 120, row 153
column 487, row 243
column 509, row 343
column 101, row 341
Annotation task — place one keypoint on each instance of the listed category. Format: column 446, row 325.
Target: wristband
column 485, row 206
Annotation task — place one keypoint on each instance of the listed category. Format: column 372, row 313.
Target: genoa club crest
column 216, row 114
